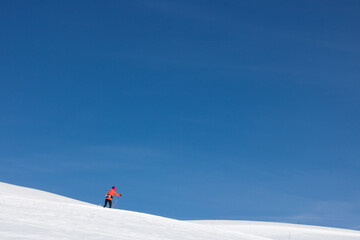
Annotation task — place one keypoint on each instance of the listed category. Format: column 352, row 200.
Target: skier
column 109, row 196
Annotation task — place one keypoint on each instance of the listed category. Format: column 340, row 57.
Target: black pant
column 107, row 201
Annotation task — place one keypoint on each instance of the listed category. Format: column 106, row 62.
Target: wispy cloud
column 90, row 158
column 128, row 150
column 25, row 165
column 322, row 213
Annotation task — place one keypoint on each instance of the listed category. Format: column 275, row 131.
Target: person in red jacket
column 109, row 196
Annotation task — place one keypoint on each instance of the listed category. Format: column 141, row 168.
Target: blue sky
column 193, row 109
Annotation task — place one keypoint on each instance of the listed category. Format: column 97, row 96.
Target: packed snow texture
column 32, row 214
column 283, row 231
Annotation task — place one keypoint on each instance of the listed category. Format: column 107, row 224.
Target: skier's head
column 113, row 187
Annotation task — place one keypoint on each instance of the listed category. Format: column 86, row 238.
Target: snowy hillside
column 32, row 214
column 283, row 231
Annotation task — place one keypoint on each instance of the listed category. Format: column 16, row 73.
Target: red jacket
column 109, row 195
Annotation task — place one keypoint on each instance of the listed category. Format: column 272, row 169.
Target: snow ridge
column 34, row 215
column 31, row 214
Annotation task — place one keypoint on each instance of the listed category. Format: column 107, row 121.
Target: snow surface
column 32, row 214
column 284, row 231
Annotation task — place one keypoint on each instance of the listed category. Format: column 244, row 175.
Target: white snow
column 32, row 214
column 284, row 231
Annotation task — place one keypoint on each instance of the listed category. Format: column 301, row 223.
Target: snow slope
column 283, row 231
column 32, row 214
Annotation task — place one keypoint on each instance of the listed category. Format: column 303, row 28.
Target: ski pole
column 115, row 202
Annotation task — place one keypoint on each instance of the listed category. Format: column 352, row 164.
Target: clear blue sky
column 193, row 109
